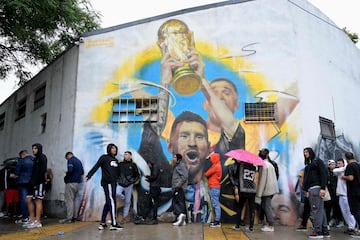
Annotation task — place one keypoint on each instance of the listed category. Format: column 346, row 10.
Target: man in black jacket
column 314, row 186
column 128, row 175
column 155, row 190
column 110, row 171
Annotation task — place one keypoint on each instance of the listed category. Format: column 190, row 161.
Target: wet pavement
column 52, row 230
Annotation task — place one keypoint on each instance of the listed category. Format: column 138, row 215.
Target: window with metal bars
column 260, row 112
column 134, row 110
column 20, row 109
column 39, row 99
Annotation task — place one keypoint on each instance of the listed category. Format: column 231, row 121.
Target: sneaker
column 326, row 234
column 301, row 228
column 116, row 227
column 25, row 224
column 236, row 228
column 102, row 226
column 267, row 228
column 153, row 222
column 340, row 224
column 356, row 235
column 250, row 229
column 315, row 234
column 215, row 224
column 34, row 224
column 180, row 220
column 350, row 231
column 66, row 220
column 22, row 221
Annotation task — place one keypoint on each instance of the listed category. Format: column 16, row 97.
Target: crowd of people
column 331, row 194
column 252, row 186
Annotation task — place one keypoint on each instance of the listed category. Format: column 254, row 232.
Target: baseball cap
column 331, row 161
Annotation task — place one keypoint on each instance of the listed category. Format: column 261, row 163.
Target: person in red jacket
column 214, row 174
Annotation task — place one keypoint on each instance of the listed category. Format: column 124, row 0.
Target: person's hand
column 86, row 179
column 196, row 63
column 258, row 200
column 322, row 193
column 306, row 194
column 168, row 64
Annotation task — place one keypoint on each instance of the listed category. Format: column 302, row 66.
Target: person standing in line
column 242, row 177
column 214, row 174
column 305, row 202
column 267, row 188
column 155, row 190
column 314, row 187
column 352, row 178
column 109, row 174
column 266, row 152
column 332, row 207
column 72, row 180
column 129, row 174
column 341, row 192
column 23, row 171
column 37, row 187
column 179, row 184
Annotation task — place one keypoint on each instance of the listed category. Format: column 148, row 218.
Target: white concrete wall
column 60, row 97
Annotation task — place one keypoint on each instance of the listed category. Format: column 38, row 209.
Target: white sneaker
column 267, row 229
column 34, row 224
column 1, row 214
column 180, row 220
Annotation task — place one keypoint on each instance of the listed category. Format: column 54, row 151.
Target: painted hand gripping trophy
column 175, row 36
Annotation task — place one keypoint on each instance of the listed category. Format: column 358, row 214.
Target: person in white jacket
column 341, row 191
column 267, row 188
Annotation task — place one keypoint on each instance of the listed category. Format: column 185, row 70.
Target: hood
column 108, row 149
column 215, row 158
column 39, row 147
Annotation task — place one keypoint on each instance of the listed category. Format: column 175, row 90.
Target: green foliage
column 37, row 31
column 353, row 36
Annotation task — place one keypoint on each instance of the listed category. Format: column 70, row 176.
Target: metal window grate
column 134, row 110
column 260, row 112
column 327, row 128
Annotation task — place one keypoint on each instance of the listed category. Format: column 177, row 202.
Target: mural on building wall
column 186, row 95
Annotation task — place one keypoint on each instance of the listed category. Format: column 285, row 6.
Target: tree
column 353, row 36
column 37, row 31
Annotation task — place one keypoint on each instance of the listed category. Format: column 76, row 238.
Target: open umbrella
column 245, row 156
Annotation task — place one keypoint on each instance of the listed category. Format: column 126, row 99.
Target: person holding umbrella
column 242, row 177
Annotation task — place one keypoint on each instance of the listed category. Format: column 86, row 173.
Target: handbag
column 327, row 196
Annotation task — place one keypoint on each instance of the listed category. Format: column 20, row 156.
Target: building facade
column 232, row 75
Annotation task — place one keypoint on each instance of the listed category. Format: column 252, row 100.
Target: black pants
column 306, row 212
column 251, row 202
column 155, row 195
column 178, row 201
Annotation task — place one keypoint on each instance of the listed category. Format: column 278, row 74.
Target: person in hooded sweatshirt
column 214, row 174
column 37, row 187
column 155, row 187
column 109, row 174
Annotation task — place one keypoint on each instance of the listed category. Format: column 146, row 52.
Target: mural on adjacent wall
column 187, row 96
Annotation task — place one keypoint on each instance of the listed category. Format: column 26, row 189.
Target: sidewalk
column 51, row 230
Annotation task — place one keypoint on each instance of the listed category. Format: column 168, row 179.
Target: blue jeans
column 214, row 196
column 23, row 192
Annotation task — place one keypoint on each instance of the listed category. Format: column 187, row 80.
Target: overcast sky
column 114, row 12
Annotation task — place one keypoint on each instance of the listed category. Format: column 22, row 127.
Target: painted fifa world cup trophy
column 175, row 37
